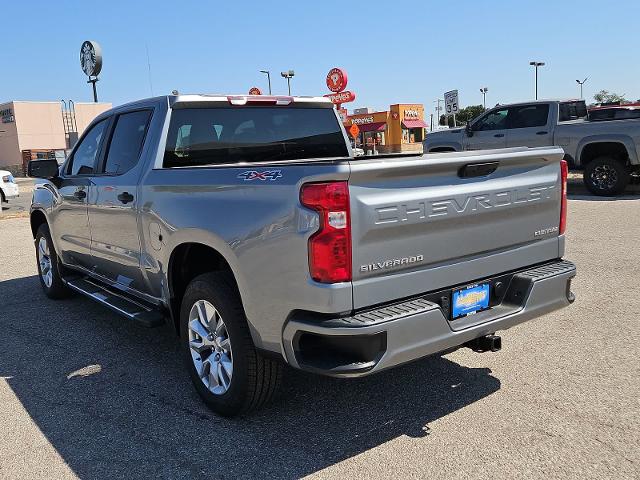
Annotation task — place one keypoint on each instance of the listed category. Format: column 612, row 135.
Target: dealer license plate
column 469, row 300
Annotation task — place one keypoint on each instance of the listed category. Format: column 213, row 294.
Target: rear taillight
column 330, row 246
column 564, row 173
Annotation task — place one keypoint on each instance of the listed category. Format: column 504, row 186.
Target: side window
column 528, row 116
column 496, row 120
column 84, row 157
column 126, row 142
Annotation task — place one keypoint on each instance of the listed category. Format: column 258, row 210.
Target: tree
column 604, row 96
column 463, row 116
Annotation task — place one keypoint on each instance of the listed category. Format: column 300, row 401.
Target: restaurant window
column 412, row 135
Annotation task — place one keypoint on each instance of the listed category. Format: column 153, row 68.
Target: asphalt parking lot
column 85, row 394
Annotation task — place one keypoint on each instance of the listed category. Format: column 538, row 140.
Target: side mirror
column 46, row 168
column 468, row 130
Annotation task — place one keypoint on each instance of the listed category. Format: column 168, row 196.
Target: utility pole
column 438, row 109
column 268, row 74
column 536, row 65
column 288, row 75
column 484, row 91
column 581, row 83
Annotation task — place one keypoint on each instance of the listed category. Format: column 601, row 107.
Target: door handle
column 541, row 133
column 499, row 135
column 80, row 194
column 125, row 197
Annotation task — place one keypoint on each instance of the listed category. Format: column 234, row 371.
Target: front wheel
column 48, row 266
column 230, row 375
column 605, row 176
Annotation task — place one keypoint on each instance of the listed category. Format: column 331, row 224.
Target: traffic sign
column 451, row 104
column 354, row 130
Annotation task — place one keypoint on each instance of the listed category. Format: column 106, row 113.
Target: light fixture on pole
column 484, row 91
column 581, row 83
column 288, row 75
column 268, row 74
column 536, row 65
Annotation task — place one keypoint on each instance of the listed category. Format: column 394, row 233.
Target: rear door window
column 527, row 116
column 228, row 135
column 126, row 142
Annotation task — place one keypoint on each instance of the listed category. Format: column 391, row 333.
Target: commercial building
column 40, row 129
column 399, row 129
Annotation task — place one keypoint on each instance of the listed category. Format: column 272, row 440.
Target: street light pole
column 484, row 91
column 581, row 83
column 288, row 75
column 536, row 65
column 268, row 78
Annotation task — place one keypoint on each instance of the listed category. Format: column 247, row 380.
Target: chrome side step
column 118, row 302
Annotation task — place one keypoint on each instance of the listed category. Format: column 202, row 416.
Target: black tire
column 57, row 289
column 255, row 378
column 606, row 176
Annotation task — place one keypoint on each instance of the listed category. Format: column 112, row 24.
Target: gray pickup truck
column 607, row 151
column 246, row 223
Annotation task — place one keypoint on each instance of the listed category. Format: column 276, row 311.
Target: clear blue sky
column 393, row 51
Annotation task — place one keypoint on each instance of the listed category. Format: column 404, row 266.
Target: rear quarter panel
column 259, row 226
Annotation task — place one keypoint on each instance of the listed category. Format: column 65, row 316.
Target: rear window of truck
column 215, row 136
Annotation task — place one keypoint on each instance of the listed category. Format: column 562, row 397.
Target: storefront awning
column 414, row 124
column 372, row 127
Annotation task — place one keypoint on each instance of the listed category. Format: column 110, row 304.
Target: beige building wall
column 39, row 126
column 9, row 150
column 86, row 112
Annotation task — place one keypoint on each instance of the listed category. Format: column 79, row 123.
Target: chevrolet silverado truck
column 606, row 151
column 247, row 224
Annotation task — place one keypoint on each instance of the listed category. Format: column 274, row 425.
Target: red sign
column 354, row 130
column 341, row 97
column 255, row 91
column 336, row 80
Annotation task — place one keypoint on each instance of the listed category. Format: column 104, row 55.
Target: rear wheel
column 48, row 265
column 606, row 176
column 230, row 375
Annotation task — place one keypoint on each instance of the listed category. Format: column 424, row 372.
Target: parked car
column 607, row 151
column 614, row 112
column 248, row 225
column 8, row 187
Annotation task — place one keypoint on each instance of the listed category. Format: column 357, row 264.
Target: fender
column 625, row 140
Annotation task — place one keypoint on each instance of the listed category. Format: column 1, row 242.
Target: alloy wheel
column 44, row 259
column 604, row 177
column 210, row 347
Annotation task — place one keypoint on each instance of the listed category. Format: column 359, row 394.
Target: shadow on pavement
column 114, row 400
column 576, row 190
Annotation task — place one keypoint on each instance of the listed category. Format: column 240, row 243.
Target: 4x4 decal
column 255, row 175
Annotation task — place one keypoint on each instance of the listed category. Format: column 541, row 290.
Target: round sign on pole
column 354, row 130
column 91, row 58
column 255, row 91
column 336, row 80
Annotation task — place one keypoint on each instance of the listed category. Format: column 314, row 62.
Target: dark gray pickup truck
column 246, row 223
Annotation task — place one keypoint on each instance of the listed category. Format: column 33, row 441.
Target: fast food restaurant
column 399, row 129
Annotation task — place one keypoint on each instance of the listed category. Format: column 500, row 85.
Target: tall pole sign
column 91, row 63
column 337, row 82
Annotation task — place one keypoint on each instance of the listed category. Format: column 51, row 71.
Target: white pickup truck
column 607, row 151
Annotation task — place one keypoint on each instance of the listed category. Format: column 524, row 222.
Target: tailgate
column 423, row 223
